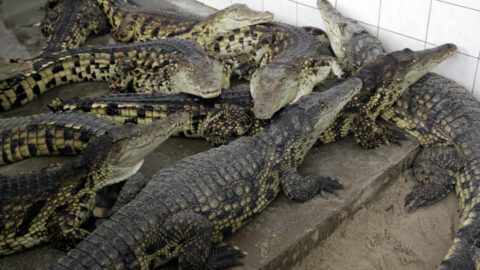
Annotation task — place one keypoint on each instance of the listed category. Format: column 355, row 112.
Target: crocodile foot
column 370, row 135
column 224, row 255
column 426, row 194
column 327, row 184
column 69, row 239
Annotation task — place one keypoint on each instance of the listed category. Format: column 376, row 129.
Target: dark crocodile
column 169, row 65
column 49, row 206
column 63, row 133
column 218, row 120
column 187, row 208
column 68, row 23
column 445, row 118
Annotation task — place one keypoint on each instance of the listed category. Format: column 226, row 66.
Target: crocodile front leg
column 64, row 230
column 190, row 235
column 302, row 189
column 436, row 169
column 370, row 134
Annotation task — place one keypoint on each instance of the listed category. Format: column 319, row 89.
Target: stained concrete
column 286, row 230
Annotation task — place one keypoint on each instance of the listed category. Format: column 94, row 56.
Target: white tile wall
column 416, row 24
column 449, row 23
column 356, row 10
column 253, row 4
column 285, row 11
column 408, row 17
column 393, row 42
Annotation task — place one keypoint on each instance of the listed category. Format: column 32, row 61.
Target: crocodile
column 218, row 120
column 169, row 65
column 385, row 79
column 186, row 209
column 49, row 206
column 68, row 23
column 62, row 133
column 245, row 47
column 131, row 23
column 385, row 76
column 351, row 43
column 445, row 118
column 290, row 68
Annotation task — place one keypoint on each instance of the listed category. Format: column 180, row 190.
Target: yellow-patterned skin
column 131, row 23
column 68, row 23
column 217, row 120
column 50, row 206
column 186, row 209
column 445, row 118
column 169, row 66
column 48, row 134
column 385, row 80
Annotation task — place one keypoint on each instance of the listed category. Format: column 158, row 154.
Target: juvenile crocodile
column 385, row 76
column 385, row 79
column 186, row 209
column 290, row 68
column 131, row 23
column 445, row 118
column 350, row 42
column 50, row 206
column 68, row 23
column 170, row 65
column 218, row 120
column 62, row 133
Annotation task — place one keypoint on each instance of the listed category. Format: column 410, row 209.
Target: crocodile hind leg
column 436, row 169
column 63, row 227
column 227, row 123
column 370, row 134
column 302, row 189
column 190, row 235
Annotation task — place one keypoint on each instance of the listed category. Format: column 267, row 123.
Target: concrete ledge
column 286, row 231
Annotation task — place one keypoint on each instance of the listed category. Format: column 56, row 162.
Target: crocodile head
column 119, row 153
column 231, row 18
column 412, row 65
column 201, row 76
column 350, row 42
column 301, row 123
column 278, row 84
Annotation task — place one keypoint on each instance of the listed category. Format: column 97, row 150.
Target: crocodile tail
column 465, row 252
column 110, row 246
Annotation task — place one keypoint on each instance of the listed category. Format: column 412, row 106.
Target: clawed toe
column 224, row 255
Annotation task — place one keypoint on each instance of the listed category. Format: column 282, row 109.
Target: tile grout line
column 379, row 14
column 476, row 72
column 428, row 24
column 457, row 5
column 296, row 14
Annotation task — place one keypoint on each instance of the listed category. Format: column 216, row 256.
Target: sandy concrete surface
column 382, row 235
